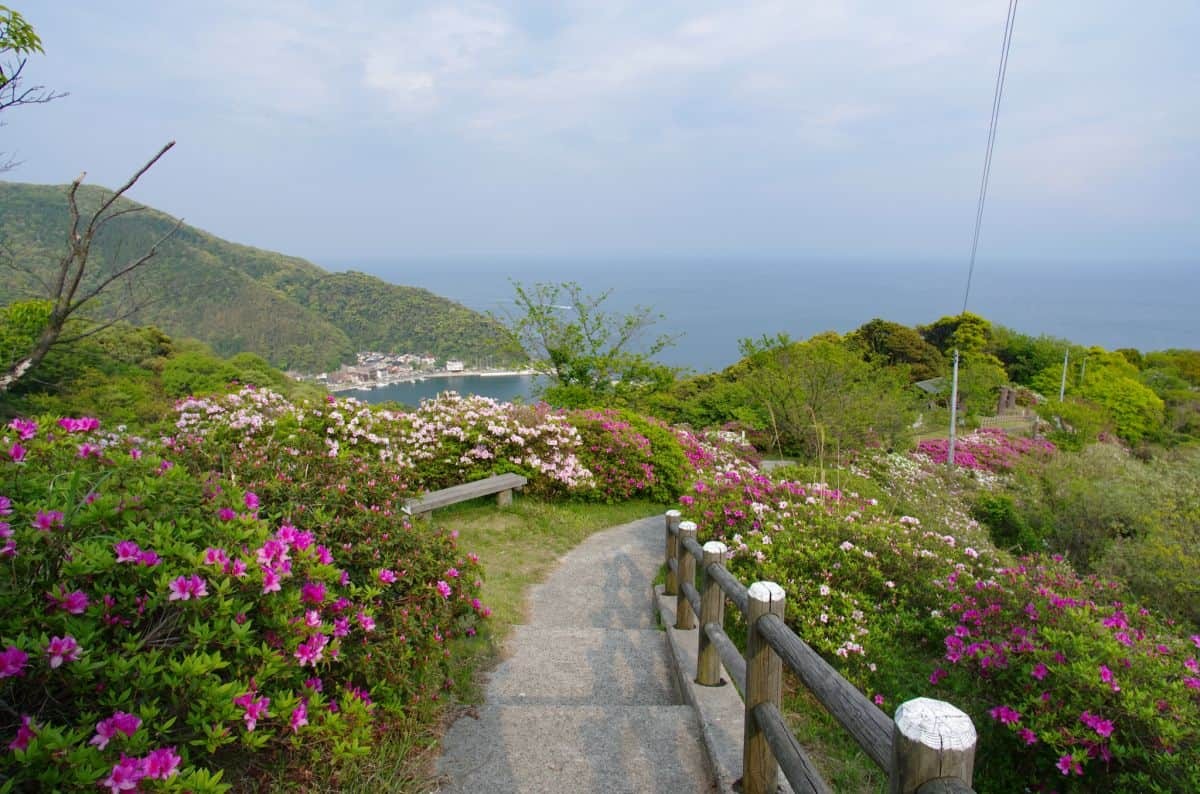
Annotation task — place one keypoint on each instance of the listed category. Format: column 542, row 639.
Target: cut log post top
column 933, row 740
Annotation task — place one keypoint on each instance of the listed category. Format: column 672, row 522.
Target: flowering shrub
column 159, row 620
column 631, row 456
column 1083, row 691
column 987, row 449
column 1070, row 685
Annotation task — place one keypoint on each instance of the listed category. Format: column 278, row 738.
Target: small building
column 454, row 365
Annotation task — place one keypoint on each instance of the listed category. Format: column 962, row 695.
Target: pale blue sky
column 359, row 130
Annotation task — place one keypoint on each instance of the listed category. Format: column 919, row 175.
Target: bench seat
column 501, row 484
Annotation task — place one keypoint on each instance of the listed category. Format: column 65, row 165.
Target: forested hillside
column 234, row 297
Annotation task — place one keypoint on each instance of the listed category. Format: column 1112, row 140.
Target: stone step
column 604, row 581
column 504, row 749
column 562, row 665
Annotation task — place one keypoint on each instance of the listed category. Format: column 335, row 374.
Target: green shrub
column 1008, row 527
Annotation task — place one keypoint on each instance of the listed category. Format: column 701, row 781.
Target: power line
column 1001, row 74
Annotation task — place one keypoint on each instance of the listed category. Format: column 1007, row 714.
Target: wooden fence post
column 672, row 585
column 764, row 679
column 933, row 740
column 712, row 610
column 685, row 618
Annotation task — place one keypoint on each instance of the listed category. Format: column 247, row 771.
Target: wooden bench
column 500, row 484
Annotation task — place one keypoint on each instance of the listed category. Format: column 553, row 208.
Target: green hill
column 237, row 298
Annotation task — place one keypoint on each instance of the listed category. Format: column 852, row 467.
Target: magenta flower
column 84, row 424
column 17, row 453
column 214, row 556
column 452, row 573
column 365, row 621
column 148, row 558
column 75, row 602
column 1067, row 765
column 299, row 718
column 13, row 661
column 312, row 650
column 185, row 588
column 1039, row 671
column 324, row 555
column 1106, row 677
column 25, row 734
column 312, row 592
column 1006, row 715
column 161, row 764
column 226, row 514
column 125, row 775
column 256, row 708
column 119, row 722
column 443, row 588
column 251, row 500
column 62, row 649
column 26, row 428
column 1100, row 725
column 88, row 450
column 48, row 520
column 1027, row 736
column 5, row 506
column 387, row 576
column 127, row 551
column 270, row 581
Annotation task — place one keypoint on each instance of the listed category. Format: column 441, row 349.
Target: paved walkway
column 585, row 700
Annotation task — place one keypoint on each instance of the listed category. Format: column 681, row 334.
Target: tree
column 820, row 394
column 18, row 40
column 69, row 291
column 966, row 331
column 893, row 344
column 592, row 356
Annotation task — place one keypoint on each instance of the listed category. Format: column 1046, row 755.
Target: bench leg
column 504, row 498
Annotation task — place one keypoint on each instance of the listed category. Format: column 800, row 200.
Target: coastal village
column 373, row 369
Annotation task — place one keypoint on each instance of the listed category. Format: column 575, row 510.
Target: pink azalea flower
column 226, row 514
column 251, row 500
column 312, row 592
column 236, row 568
column 76, row 602
column 1027, row 736
column 5, row 506
column 366, row 622
column 127, row 551
column 387, row 576
column 1100, row 725
column 214, row 556
column 1106, row 677
column 299, row 718
column 48, row 520
column 148, row 558
column 312, row 650
column 84, row 424
column 452, row 573
column 119, row 722
column 26, row 428
column 1039, row 671
column 17, row 453
column 88, row 450
column 125, row 775
column 1067, row 765
column 161, row 764
column 443, row 588
column 341, row 627
column 270, row 581
column 1006, row 715
column 62, row 649
column 324, row 556
column 13, row 661
column 185, row 588
column 25, row 734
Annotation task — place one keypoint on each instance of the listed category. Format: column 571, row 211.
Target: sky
column 560, row 130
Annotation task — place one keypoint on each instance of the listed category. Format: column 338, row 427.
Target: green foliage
column 892, row 344
column 1136, row 410
column 821, row 397
column 980, row 376
column 1024, row 357
column 1007, row 526
column 594, row 357
column 1076, row 422
column 966, row 331
column 17, row 36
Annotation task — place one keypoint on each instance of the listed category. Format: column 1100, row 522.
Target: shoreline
column 441, row 374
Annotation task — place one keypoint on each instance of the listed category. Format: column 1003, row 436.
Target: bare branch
column 128, row 268
column 130, row 183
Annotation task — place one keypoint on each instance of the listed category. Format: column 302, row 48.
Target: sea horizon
column 712, row 304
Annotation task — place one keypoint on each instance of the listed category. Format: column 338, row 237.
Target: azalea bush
column 631, row 456
column 1071, row 685
column 986, row 449
column 161, row 622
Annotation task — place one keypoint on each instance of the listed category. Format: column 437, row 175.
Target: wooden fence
column 929, row 748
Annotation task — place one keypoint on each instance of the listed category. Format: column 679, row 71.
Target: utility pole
column 953, row 410
column 1062, row 387
column 1082, row 370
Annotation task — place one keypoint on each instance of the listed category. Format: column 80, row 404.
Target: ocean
column 711, row 305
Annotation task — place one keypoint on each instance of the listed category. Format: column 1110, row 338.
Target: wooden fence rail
column 928, row 748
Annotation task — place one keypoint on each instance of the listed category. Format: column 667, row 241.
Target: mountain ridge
column 240, row 298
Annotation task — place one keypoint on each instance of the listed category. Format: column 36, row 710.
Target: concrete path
column 586, row 699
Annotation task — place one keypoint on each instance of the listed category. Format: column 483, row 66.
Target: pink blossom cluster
column 987, row 449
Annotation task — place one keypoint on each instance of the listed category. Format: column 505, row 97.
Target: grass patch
column 518, row 547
